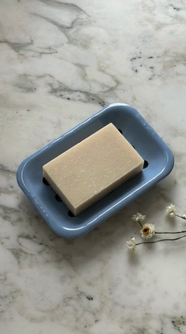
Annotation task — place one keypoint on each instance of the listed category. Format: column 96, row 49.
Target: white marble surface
column 59, row 63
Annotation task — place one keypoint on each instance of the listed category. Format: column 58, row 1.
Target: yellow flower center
column 146, row 230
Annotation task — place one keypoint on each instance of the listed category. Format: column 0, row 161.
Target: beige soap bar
column 92, row 168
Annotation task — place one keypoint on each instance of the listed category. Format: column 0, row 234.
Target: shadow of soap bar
column 92, row 168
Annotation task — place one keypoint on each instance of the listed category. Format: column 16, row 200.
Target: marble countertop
column 60, row 62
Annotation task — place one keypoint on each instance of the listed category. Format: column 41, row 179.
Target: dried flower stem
column 180, row 216
column 176, row 232
column 148, row 230
column 160, row 240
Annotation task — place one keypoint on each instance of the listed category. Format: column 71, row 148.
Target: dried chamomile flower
column 138, row 217
column 148, row 231
column 131, row 244
column 170, row 210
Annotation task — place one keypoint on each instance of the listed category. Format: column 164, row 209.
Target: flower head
column 147, row 231
column 184, row 216
column 138, row 217
column 131, row 244
column 170, row 210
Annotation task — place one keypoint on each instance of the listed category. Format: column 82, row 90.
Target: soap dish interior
column 158, row 163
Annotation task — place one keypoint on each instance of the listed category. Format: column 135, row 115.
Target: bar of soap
column 91, row 169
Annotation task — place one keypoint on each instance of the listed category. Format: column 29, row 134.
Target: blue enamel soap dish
column 158, row 164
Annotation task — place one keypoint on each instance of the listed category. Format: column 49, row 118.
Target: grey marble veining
column 60, row 62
